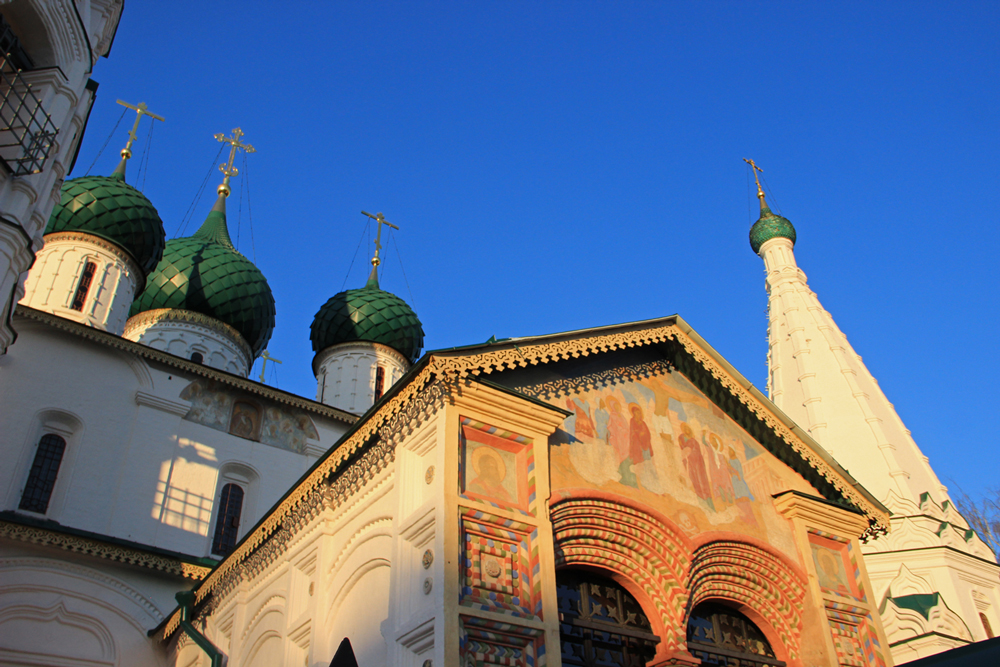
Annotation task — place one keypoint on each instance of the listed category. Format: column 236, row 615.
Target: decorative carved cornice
column 433, row 378
column 167, row 359
column 149, row 318
column 92, row 547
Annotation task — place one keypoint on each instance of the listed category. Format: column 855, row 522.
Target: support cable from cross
column 141, row 110
column 378, row 236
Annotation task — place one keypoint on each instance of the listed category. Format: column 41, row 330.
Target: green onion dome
column 770, row 226
column 205, row 273
column 371, row 315
column 111, row 209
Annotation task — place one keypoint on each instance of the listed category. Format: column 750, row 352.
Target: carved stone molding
column 91, row 547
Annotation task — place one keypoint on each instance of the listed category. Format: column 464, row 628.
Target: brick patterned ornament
column 517, row 449
column 754, row 577
column 486, row 643
column 499, row 565
column 855, row 622
column 623, row 540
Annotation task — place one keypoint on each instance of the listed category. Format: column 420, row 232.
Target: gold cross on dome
column 378, row 236
column 228, row 169
column 264, row 358
column 760, row 192
column 140, row 110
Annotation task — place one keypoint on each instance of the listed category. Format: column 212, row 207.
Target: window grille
column 601, row 624
column 83, row 288
column 718, row 635
column 227, row 523
column 42, row 477
column 27, row 132
column 379, row 382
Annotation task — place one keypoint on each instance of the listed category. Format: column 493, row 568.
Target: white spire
column 818, row 379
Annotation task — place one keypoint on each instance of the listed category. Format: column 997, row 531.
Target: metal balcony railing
column 27, row 132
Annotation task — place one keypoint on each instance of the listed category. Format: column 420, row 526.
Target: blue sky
column 563, row 165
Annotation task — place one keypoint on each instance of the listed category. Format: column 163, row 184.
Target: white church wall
column 134, row 467
column 331, row 581
column 346, row 374
column 58, row 47
column 61, row 608
column 55, row 277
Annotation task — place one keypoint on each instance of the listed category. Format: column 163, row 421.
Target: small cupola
column 103, row 239
column 769, row 225
column 205, row 301
column 364, row 340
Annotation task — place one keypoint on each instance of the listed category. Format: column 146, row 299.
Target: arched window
column 600, row 623
column 42, row 477
column 197, row 357
column 379, row 382
column 227, row 522
column 720, row 635
column 80, row 297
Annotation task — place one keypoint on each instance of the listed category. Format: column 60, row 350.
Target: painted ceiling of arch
column 645, row 432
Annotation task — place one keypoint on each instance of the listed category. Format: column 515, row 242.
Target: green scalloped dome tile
column 368, row 314
column 770, row 226
column 111, row 209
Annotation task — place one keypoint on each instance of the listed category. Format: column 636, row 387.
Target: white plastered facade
column 138, row 477
column 346, row 374
column 55, row 278
column 65, row 40
column 185, row 334
column 819, row 381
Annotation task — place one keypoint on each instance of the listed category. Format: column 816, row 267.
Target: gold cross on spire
column 264, row 358
column 141, row 110
column 378, row 237
column 228, row 169
column 760, row 192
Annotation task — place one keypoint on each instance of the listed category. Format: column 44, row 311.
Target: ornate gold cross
column 378, row 236
column 264, row 358
column 760, row 192
column 228, row 169
column 141, row 110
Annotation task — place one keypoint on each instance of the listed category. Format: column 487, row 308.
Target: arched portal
column 720, row 635
column 600, row 623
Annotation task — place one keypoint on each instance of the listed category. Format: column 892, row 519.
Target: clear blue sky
column 562, row 165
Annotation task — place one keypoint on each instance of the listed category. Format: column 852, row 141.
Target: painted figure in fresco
column 584, row 424
column 830, row 568
column 244, row 420
column 722, row 484
column 618, row 431
column 741, row 490
column 694, row 463
column 640, row 447
column 490, row 474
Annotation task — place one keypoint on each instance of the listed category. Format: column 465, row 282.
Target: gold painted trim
column 91, row 547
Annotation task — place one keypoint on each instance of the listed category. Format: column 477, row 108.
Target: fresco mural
column 216, row 406
column 495, row 465
column 659, row 439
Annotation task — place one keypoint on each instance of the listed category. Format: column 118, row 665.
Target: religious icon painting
column 496, row 466
column 834, row 570
column 245, row 420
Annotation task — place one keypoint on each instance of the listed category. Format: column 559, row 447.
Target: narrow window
column 42, row 478
column 227, row 523
column 84, row 287
column 986, row 625
column 197, row 357
column 379, row 382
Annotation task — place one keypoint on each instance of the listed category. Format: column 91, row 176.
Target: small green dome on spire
column 111, row 209
column 770, row 226
column 205, row 273
column 371, row 315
